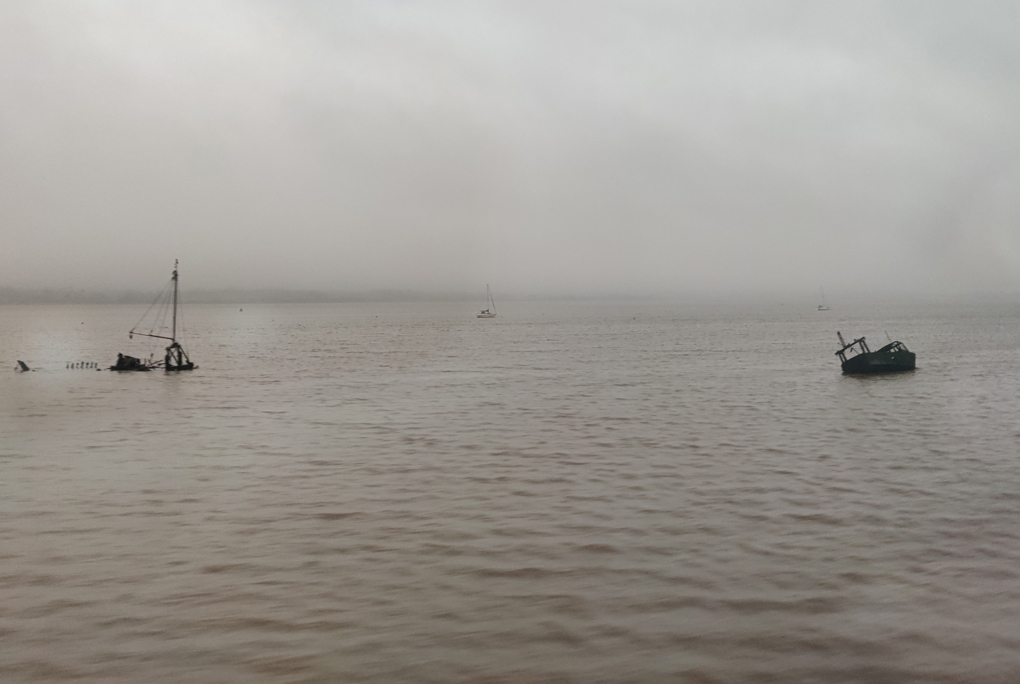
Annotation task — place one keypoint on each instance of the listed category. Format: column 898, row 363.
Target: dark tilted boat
column 891, row 358
column 130, row 363
column 175, row 359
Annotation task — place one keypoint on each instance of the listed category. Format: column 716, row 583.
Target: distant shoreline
column 239, row 297
column 53, row 296
column 12, row 296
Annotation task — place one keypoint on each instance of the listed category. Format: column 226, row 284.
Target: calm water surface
column 571, row 492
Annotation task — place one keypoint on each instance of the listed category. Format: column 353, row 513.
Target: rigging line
column 153, row 323
column 154, row 326
column 156, row 301
column 160, row 321
column 149, row 324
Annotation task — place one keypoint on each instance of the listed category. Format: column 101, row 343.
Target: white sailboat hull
column 485, row 315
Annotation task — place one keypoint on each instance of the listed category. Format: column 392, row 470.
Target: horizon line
column 51, row 295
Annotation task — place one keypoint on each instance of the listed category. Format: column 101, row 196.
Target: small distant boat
column 489, row 312
column 822, row 306
column 891, row 358
column 175, row 359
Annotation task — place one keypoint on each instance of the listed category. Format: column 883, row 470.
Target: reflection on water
column 636, row 492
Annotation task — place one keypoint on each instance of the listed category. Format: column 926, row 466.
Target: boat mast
column 173, row 335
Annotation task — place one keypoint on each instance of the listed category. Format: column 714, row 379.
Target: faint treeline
column 265, row 296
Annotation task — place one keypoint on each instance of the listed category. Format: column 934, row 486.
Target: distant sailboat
column 175, row 359
column 822, row 306
column 489, row 312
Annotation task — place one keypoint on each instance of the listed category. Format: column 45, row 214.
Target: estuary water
column 571, row 492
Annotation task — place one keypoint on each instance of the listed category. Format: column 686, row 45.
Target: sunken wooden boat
column 175, row 358
column 892, row 358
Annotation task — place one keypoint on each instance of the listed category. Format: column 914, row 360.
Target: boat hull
column 183, row 367
column 880, row 362
column 485, row 315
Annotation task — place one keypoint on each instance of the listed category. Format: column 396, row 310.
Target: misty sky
column 542, row 147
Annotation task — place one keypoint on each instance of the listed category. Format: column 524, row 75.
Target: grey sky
column 543, row 147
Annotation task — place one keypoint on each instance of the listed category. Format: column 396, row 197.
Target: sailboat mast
column 173, row 335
